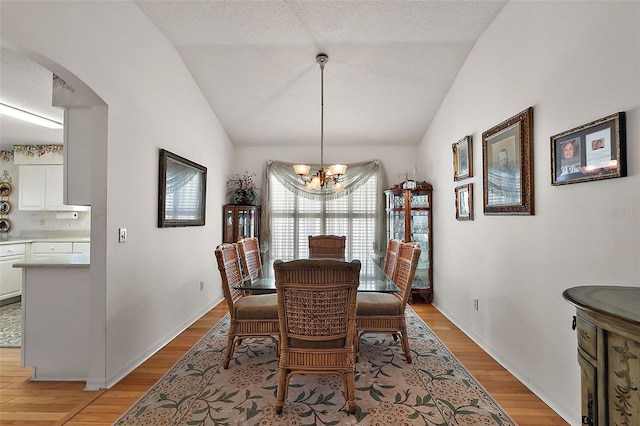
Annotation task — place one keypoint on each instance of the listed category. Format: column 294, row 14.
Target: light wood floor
column 55, row 403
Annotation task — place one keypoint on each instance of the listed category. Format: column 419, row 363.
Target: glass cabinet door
column 246, row 223
column 229, row 224
column 409, row 219
column 240, row 222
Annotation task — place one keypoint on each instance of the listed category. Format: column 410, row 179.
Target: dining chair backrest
column 391, row 258
column 327, row 246
column 250, row 256
column 406, row 266
column 229, row 266
column 317, row 298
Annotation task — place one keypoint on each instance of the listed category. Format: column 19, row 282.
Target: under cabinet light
column 29, row 117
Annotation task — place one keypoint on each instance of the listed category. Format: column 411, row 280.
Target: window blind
column 293, row 219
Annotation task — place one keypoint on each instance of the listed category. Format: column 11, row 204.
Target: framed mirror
column 182, row 191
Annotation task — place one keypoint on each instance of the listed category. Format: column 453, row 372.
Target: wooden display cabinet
column 408, row 210
column 240, row 221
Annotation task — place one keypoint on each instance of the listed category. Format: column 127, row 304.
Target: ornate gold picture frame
column 462, row 159
column 507, row 157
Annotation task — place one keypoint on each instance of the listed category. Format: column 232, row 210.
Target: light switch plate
column 122, row 235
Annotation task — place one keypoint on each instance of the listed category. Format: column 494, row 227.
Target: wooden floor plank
column 23, row 402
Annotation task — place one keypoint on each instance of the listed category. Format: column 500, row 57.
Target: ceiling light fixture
column 29, row 117
column 324, row 179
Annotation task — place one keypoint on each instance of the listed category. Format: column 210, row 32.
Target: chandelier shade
column 324, row 179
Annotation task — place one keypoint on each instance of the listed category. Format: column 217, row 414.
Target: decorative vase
column 243, row 198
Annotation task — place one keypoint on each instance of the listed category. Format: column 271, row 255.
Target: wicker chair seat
column 371, row 304
column 257, row 306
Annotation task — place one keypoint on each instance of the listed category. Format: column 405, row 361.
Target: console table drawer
column 587, row 336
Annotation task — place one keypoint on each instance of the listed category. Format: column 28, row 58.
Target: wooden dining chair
column 391, row 258
column 317, row 307
column 327, row 246
column 384, row 312
column 250, row 256
column 252, row 316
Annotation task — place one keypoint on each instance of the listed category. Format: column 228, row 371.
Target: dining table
column 372, row 278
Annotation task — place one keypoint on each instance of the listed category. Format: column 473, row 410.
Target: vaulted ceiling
column 390, row 65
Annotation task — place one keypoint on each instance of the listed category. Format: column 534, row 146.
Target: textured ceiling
column 390, row 65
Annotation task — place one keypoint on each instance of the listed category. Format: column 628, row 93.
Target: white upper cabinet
column 32, row 188
column 40, row 187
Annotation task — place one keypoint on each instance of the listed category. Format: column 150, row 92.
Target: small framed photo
column 464, row 202
column 593, row 151
column 462, row 159
column 507, row 157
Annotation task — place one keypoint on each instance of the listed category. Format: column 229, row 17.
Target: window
column 294, row 216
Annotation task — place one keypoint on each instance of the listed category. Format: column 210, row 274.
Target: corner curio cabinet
column 240, row 221
column 408, row 210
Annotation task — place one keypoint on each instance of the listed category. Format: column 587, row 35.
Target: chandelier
column 329, row 178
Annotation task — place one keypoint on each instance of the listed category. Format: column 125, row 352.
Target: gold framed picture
column 464, row 202
column 507, row 157
column 462, row 159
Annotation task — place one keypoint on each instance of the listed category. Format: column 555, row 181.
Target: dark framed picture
column 464, row 202
column 593, row 151
column 182, row 191
column 507, row 156
column 462, row 159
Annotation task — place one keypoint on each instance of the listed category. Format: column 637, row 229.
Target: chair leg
column 405, row 343
column 282, row 389
column 350, row 391
column 227, row 357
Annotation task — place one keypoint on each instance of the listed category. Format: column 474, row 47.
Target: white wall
column 147, row 290
column 574, row 62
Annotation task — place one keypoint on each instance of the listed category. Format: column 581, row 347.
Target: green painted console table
column 608, row 331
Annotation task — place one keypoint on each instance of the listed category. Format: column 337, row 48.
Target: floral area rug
column 11, row 325
column 434, row 390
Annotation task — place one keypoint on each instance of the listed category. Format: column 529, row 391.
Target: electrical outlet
column 122, row 235
column 475, row 303
column 201, row 285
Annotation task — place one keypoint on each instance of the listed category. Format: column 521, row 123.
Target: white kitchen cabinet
column 10, row 277
column 40, row 187
column 81, row 247
column 51, row 250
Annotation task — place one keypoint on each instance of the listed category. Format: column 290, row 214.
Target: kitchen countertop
column 79, row 260
column 18, row 240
